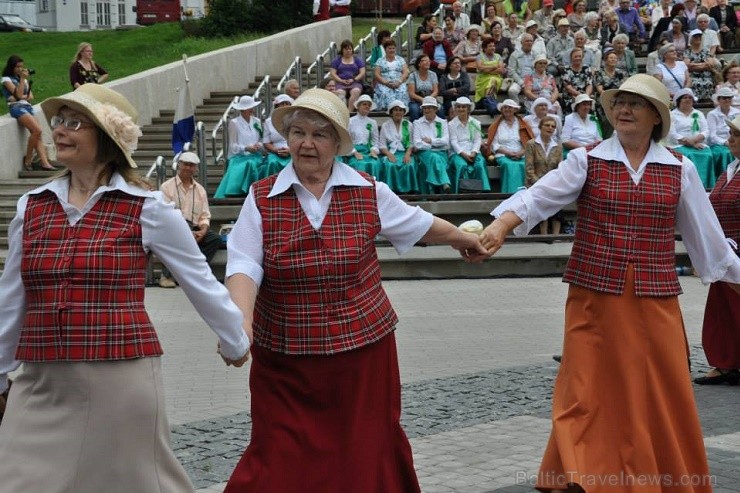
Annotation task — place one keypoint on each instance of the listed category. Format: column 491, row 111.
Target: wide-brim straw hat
column 473, row 27
column 282, row 98
column 582, row 98
column 722, row 92
column 325, row 103
column 540, row 101
column 647, row 87
column 365, row 99
column 429, row 101
column 541, row 57
column 686, row 91
column 246, row 103
column 109, row 110
column 397, row 103
column 510, row 103
column 462, row 100
column 734, row 123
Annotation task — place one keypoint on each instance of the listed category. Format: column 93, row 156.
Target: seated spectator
column 651, row 65
column 453, row 33
column 478, row 11
column 557, row 16
column 454, row 83
column 378, row 51
column 671, row 71
column 576, row 80
column 470, row 47
column 577, row 19
column 689, row 134
column 724, row 16
column 590, row 59
column 364, row 133
column 191, row 199
column 559, row 44
column 326, row 83
column 490, row 73
column 425, row 29
column 690, row 12
column 539, row 110
column 461, row 18
column 491, row 18
column 278, row 154
column 581, row 128
column 592, row 29
column 521, row 65
column 694, row 24
column 84, row 70
column 700, row 63
column 607, row 6
column 731, row 77
column 348, row 71
column 710, row 38
column 245, row 158
column 719, row 130
column 629, row 17
column 507, row 136
column 610, row 28
column 540, row 84
column 292, row 88
column 513, row 28
column 660, row 12
column 391, row 74
column 504, row 45
column 541, row 155
column 665, row 25
column 520, row 8
column 398, row 168
column 539, row 47
column 609, row 77
column 625, row 57
column 439, row 51
column 677, row 36
column 421, row 83
column 543, row 18
column 431, row 142
column 466, row 160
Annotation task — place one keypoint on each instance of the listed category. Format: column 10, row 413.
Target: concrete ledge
column 231, row 69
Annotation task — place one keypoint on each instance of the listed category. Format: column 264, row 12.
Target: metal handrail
column 318, row 65
column 200, row 139
column 218, row 156
column 266, row 98
column 159, row 170
column 293, row 72
column 398, row 35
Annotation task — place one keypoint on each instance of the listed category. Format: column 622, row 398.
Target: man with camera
column 190, row 197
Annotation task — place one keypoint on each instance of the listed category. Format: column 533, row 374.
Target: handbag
column 506, row 84
column 470, row 185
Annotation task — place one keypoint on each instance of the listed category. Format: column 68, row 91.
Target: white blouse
column 164, row 233
column 391, row 139
column 272, row 136
column 242, row 133
column 400, row 223
column 425, row 128
column 710, row 252
column 575, row 128
column 360, row 134
column 534, row 124
column 719, row 131
column 507, row 137
column 465, row 137
column 682, row 126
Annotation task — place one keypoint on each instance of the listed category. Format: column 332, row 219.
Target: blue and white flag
column 183, row 127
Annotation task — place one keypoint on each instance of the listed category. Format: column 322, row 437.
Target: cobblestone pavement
column 477, row 375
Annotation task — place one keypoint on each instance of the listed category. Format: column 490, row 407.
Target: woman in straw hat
column 326, row 397
column 431, row 144
column 719, row 130
column 87, row 412
column 720, row 337
column 507, row 136
column 278, row 154
column 582, row 127
column 398, row 167
column 364, row 132
column 466, row 160
column 245, row 160
column 623, row 405
column 689, row 134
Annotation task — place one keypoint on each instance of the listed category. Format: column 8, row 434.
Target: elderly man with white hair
column 461, row 18
column 521, row 64
column 191, row 199
column 709, row 38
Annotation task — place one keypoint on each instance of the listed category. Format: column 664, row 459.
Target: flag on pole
column 183, row 126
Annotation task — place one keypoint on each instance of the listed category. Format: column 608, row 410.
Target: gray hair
column 527, row 36
column 582, row 32
column 311, row 117
column 621, row 37
column 590, row 16
column 702, row 17
column 665, row 49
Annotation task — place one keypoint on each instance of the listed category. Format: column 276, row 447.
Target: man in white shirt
column 461, row 18
column 709, row 38
column 190, row 197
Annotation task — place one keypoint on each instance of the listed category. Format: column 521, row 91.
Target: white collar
column 341, row 174
column 60, row 187
column 611, row 150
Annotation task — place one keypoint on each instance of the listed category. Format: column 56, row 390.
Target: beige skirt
column 89, row 427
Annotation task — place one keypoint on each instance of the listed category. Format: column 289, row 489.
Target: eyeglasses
column 724, row 98
column 73, row 124
column 549, row 125
column 634, row 104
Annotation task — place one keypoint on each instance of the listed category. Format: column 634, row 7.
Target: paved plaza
column 477, row 375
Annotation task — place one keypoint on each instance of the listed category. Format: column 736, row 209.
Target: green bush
column 232, row 17
column 192, row 28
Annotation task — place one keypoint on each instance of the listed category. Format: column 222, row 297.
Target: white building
column 23, row 8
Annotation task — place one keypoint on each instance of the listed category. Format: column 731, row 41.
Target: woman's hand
column 471, row 249
column 495, row 233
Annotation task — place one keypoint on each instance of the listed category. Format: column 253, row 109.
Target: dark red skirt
column 326, row 424
column 721, row 332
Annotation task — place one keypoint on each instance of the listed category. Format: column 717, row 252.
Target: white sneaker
column 166, row 282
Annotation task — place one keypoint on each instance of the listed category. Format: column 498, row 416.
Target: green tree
column 231, row 17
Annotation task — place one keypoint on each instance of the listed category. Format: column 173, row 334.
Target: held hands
column 494, row 235
column 470, row 248
column 238, row 363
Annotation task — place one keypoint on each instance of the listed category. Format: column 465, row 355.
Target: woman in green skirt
column 507, row 136
column 397, row 166
column 689, row 135
column 466, row 160
column 278, row 154
column 432, row 141
column 719, row 130
column 364, row 132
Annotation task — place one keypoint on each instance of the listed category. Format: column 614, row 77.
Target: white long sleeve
column 465, row 137
column 243, row 133
column 425, row 128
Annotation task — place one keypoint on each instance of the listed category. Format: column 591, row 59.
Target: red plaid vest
column 621, row 223
column 321, row 292
column 725, row 199
column 85, row 283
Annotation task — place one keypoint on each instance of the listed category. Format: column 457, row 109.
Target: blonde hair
column 80, row 49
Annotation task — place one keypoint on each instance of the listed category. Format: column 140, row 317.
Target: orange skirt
column 624, row 416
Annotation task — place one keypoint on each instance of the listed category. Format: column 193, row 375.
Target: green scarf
column 405, row 134
column 472, row 129
column 595, row 119
column 438, row 125
column 369, row 127
column 695, row 124
column 258, row 129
